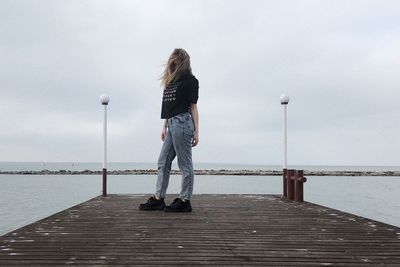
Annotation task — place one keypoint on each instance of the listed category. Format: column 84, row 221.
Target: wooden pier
column 222, row 230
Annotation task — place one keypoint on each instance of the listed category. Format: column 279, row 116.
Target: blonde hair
column 178, row 63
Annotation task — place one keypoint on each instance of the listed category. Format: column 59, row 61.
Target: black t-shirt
column 179, row 95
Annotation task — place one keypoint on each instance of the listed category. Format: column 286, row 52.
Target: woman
column 180, row 131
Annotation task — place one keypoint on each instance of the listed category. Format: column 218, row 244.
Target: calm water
column 80, row 166
column 27, row 198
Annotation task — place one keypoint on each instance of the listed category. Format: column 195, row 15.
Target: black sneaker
column 178, row 205
column 153, row 204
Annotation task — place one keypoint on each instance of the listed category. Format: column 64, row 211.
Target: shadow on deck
column 222, row 230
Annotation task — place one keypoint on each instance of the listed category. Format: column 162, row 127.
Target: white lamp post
column 284, row 102
column 104, row 99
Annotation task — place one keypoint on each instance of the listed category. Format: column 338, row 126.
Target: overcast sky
column 339, row 61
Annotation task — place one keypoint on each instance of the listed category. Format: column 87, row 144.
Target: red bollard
column 284, row 183
column 298, row 186
column 290, row 184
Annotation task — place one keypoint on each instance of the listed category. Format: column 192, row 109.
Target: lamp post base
column 104, row 182
column 284, row 182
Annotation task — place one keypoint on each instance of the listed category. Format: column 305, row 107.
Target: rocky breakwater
column 203, row 172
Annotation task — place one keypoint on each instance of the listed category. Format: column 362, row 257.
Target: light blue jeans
column 178, row 142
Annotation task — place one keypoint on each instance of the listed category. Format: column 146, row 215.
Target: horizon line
column 200, row 162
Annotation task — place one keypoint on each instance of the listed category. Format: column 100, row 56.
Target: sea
column 25, row 199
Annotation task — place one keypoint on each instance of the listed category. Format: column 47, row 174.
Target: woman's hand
column 195, row 140
column 163, row 133
column 195, row 117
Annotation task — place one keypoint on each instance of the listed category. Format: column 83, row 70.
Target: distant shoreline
column 204, row 172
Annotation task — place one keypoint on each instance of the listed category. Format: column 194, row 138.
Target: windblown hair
column 178, row 64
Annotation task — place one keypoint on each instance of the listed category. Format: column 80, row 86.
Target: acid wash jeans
column 178, row 142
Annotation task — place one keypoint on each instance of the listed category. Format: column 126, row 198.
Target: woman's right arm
column 164, row 130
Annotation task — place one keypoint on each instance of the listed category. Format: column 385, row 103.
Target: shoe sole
column 150, row 209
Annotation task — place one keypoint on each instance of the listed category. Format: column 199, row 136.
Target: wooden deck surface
column 222, row 230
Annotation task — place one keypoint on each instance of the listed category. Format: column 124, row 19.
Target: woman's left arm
column 195, row 117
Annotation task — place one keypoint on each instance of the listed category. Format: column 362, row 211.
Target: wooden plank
column 223, row 230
